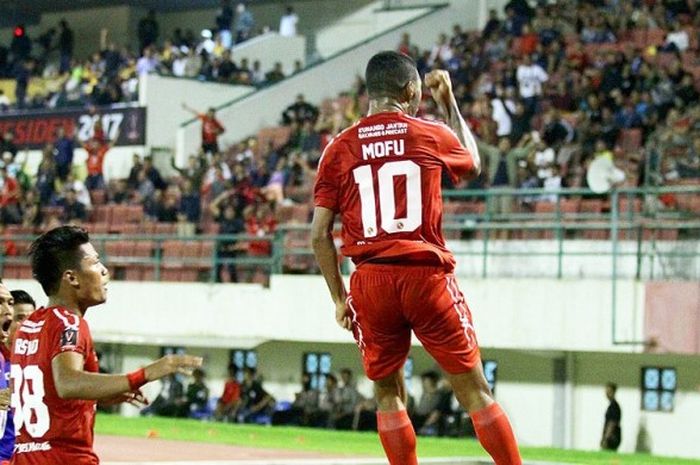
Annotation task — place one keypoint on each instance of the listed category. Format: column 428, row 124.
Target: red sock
column 398, row 438
column 495, row 435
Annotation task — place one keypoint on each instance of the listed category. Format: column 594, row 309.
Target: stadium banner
column 33, row 130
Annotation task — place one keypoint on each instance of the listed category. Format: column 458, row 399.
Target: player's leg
column 490, row 421
column 384, row 338
column 393, row 424
column 442, row 321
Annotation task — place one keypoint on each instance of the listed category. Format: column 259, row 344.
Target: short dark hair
column 54, row 252
column 612, row 386
column 388, row 73
column 330, row 376
column 22, row 297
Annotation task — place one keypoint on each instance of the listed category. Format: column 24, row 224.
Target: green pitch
column 343, row 443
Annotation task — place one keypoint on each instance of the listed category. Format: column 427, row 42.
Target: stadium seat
column 102, row 214
column 98, row 197
column 630, row 139
column 134, row 214
column 165, row 229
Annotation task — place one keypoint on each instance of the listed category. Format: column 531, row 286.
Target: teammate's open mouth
column 6, row 325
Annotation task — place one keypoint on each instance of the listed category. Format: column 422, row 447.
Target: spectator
column 288, row 23
column 304, row 406
column 190, row 206
column 63, row 153
column 227, row 71
column 7, row 144
column 276, row 75
column 224, row 211
column 66, row 43
column 405, row 47
column 23, row 72
column 244, row 23
column 148, row 63
column 136, row 168
column 224, row 20
column 327, row 404
column 211, row 129
column 441, row 51
column 31, row 209
column 612, row 433
column 427, row 415
column 120, row 194
column 97, row 149
column 171, row 401
column 257, row 404
column 492, row 26
column 73, row 211
column 148, row 30
column 229, row 402
column 197, row 395
column 9, row 199
column 167, row 209
column 677, row 40
column 257, row 74
column 299, row 111
column 530, row 77
column 348, row 398
column 81, row 192
column 46, row 177
column 153, row 174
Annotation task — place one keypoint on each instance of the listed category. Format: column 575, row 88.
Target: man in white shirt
column 502, row 107
column 288, row 23
column 678, row 37
column 530, row 77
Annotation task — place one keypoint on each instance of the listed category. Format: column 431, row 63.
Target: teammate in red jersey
column 55, row 384
column 382, row 176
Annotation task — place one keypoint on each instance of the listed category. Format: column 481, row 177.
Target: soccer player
column 22, row 306
column 382, row 176
column 54, row 367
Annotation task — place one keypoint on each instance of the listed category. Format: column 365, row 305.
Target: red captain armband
column 136, row 379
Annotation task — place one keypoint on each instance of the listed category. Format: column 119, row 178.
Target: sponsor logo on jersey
column 32, row 447
column 69, row 338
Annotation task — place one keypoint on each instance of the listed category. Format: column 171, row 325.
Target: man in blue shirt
column 63, row 153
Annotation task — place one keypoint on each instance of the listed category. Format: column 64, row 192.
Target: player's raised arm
column 327, row 258
column 440, row 86
column 72, row 382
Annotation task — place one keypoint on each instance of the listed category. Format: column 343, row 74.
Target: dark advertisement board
column 33, row 130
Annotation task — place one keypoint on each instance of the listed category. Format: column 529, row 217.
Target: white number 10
column 387, row 200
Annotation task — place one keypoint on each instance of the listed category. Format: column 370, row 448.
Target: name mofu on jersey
column 383, row 149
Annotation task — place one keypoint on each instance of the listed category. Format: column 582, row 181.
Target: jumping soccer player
column 382, row 176
column 54, row 366
column 22, row 306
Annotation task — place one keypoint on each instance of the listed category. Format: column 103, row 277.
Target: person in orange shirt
column 97, row 149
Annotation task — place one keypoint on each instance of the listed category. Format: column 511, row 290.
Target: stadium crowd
column 545, row 97
column 337, row 404
column 110, row 74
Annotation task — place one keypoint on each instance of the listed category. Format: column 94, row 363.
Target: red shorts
column 54, row 457
column 388, row 301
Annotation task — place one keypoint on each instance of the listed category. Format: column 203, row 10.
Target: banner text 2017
column 35, row 130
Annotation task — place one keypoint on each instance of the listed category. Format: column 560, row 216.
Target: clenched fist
column 440, row 85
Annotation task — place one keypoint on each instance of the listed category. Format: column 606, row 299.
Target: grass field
column 341, row 443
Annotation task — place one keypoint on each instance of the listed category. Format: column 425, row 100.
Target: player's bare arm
column 5, row 395
column 327, row 258
column 440, row 85
column 72, row 382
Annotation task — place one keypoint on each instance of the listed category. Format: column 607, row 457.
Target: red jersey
column 50, row 429
column 211, row 128
column 10, row 192
column 232, row 392
column 96, row 158
column 383, row 176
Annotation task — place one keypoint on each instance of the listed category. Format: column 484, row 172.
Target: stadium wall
column 163, row 97
column 551, row 338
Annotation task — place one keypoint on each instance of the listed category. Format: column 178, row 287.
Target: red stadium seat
column 630, row 139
